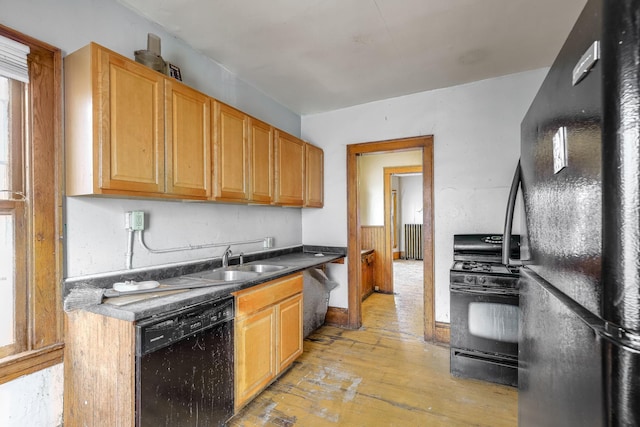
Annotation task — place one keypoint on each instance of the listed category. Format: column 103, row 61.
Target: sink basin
column 261, row 268
column 237, row 273
column 228, row 275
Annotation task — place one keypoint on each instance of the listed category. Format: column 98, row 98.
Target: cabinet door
column 261, row 161
column 289, row 170
column 188, row 116
column 231, row 159
column 367, row 276
column 289, row 331
column 364, row 278
column 131, row 121
column 255, row 355
column 314, row 194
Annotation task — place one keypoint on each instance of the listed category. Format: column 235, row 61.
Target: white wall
column 95, row 237
column 410, row 199
column 476, row 129
column 33, row 400
column 72, row 24
column 371, row 181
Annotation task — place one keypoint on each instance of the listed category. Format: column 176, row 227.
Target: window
column 12, row 215
column 30, row 201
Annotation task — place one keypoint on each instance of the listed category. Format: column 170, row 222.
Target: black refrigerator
column 579, row 172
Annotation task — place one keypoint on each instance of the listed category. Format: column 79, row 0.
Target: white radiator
column 413, row 241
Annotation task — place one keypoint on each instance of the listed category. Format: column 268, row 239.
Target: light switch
column 560, row 150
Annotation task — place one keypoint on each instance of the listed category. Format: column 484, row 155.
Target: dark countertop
column 136, row 307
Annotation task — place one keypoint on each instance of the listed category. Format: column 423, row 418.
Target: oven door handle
column 474, row 290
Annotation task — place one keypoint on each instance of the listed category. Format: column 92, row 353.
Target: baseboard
column 367, row 295
column 396, row 255
column 443, row 333
column 337, row 316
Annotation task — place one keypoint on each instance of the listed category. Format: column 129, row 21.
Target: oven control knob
column 481, row 280
column 468, row 279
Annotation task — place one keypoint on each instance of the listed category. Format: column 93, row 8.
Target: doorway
column 425, row 143
column 391, row 231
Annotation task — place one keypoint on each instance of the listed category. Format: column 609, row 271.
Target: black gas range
column 484, row 310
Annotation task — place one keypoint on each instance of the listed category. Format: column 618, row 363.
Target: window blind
column 13, row 60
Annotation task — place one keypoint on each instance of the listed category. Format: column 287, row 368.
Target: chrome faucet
column 225, row 256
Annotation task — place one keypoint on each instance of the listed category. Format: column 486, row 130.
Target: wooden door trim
column 354, row 236
column 387, row 257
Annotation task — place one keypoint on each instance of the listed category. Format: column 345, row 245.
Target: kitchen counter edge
column 135, row 311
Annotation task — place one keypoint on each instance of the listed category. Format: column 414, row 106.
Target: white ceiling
column 320, row 55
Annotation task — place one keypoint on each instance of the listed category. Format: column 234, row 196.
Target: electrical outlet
column 134, row 220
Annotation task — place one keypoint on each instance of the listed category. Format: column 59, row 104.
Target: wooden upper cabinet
column 261, row 158
column 114, row 124
column 132, row 131
column 231, row 154
column 314, row 192
column 188, row 124
column 290, row 171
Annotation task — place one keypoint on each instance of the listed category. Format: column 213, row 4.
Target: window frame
column 41, row 343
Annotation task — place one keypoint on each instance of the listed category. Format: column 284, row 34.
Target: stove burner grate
column 476, row 266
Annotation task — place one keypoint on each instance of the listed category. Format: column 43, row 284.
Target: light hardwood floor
column 383, row 374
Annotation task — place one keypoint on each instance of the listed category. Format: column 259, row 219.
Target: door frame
column 354, row 235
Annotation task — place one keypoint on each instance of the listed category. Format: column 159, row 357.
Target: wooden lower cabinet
column 100, row 361
column 99, row 371
column 289, row 331
column 255, row 361
column 367, row 277
column 268, row 334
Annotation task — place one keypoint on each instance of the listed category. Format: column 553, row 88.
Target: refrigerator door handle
column 629, row 340
column 508, row 222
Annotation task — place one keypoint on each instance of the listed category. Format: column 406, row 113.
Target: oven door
column 484, row 319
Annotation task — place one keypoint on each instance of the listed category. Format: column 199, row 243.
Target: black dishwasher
column 184, row 367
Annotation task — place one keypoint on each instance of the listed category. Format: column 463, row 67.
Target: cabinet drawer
column 253, row 299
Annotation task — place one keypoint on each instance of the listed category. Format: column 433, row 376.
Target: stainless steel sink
column 261, row 268
column 237, row 273
column 228, row 275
